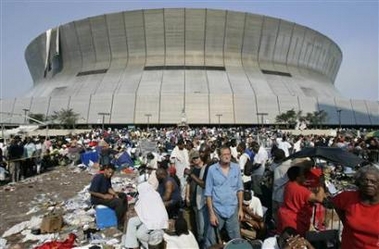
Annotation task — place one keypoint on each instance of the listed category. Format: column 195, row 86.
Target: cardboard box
column 51, row 223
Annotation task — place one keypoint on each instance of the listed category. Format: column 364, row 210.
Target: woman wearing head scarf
column 147, row 227
column 359, row 211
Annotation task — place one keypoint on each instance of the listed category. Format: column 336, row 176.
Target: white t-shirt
column 242, row 162
column 181, row 160
column 256, row 206
column 285, row 146
column 261, row 157
column 280, row 180
column 183, row 241
column 270, row 243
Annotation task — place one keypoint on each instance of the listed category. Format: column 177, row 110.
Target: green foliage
column 290, row 117
column 316, row 118
column 65, row 117
column 38, row 116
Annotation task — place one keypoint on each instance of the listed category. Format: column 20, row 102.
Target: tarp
column 331, row 154
column 22, row 129
column 122, row 159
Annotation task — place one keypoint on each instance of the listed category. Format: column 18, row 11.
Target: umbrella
column 332, row 154
column 372, row 134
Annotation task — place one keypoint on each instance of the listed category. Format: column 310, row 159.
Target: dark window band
column 182, row 67
column 276, row 73
column 100, row 71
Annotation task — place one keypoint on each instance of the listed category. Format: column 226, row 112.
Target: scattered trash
column 78, row 217
column 3, row 243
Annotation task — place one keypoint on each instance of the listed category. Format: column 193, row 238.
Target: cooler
column 105, row 217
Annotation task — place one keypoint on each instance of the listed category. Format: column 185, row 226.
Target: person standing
column 181, row 159
column 224, row 197
column 284, row 145
column 359, row 211
column 296, row 210
column 102, row 193
column 243, row 159
column 28, row 164
column 15, row 152
column 260, row 159
column 196, row 178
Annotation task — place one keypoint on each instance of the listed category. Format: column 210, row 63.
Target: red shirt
column 361, row 222
column 313, row 178
column 296, row 211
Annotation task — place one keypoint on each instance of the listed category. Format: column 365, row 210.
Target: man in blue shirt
column 224, row 195
column 102, row 193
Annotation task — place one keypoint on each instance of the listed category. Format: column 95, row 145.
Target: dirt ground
column 57, row 185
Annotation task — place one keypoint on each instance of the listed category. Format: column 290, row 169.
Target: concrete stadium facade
column 211, row 66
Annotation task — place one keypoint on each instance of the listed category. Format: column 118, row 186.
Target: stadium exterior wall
column 213, row 66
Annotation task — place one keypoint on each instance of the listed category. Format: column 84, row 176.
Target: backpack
column 248, row 168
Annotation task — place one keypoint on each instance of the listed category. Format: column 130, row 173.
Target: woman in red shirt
column 359, row 211
column 296, row 210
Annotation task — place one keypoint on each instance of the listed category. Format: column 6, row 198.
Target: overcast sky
column 353, row 25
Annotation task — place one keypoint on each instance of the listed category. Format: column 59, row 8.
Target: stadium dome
column 203, row 66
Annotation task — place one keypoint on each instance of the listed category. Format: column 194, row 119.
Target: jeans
column 202, row 222
column 14, row 170
column 231, row 224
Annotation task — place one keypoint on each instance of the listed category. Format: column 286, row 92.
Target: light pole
column 25, row 112
column 262, row 114
column 2, row 131
column 339, row 118
column 103, row 114
column 148, row 115
column 219, row 115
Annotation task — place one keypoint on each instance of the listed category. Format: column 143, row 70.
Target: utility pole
column 148, row 115
column 25, row 116
column 339, row 118
column 219, row 115
column 261, row 114
column 103, row 114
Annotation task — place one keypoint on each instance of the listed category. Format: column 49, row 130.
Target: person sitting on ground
column 252, row 224
column 147, row 227
column 102, row 193
column 183, row 237
column 169, row 191
column 288, row 239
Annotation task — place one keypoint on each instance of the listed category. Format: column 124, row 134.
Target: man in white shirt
column 284, row 145
column 242, row 160
column 260, row 158
column 181, row 159
column 297, row 144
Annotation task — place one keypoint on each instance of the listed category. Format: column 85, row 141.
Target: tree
column 65, row 117
column 316, row 118
column 37, row 116
column 289, row 117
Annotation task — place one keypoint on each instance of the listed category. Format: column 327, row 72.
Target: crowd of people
column 218, row 184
